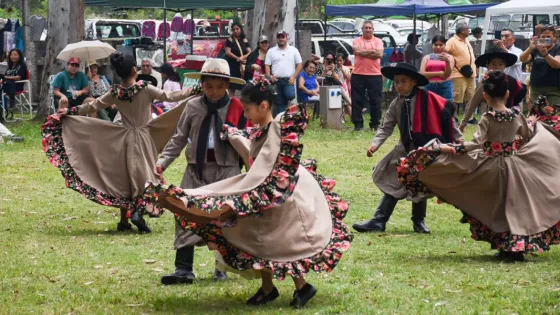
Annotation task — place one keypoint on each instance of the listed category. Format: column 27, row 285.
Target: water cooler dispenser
column 331, row 107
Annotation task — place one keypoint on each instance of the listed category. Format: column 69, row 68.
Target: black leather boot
column 140, row 223
column 183, row 267
column 219, row 275
column 418, row 215
column 382, row 215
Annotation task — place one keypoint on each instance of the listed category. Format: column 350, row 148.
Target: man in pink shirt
column 368, row 51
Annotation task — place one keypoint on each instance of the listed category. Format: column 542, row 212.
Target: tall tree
column 66, row 25
column 269, row 17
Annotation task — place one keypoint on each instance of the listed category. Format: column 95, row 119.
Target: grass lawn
column 60, row 254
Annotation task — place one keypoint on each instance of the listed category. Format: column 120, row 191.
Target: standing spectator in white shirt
column 507, row 44
column 283, row 63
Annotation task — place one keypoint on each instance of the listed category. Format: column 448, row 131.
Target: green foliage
column 11, row 8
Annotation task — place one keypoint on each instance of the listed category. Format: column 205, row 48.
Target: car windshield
column 116, row 30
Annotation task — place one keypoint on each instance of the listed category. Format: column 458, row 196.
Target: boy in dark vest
column 209, row 158
column 421, row 116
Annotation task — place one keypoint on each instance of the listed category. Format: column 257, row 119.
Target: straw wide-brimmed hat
column 92, row 63
column 391, row 70
column 215, row 68
column 509, row 59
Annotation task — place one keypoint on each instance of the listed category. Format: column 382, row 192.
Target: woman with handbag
column 237, row 50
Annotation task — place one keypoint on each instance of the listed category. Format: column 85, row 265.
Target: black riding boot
column 183, row 267
column 382, row 215
column 418, row 215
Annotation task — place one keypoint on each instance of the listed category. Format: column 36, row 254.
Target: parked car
column 317, row 28
column 408, row 24
column 386, row 28
column 345, row 26
column 111, row 31
column 334, row 45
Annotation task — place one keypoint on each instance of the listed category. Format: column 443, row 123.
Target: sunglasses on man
column 74, row 65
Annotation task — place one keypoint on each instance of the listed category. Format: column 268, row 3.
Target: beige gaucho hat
column 215, row 67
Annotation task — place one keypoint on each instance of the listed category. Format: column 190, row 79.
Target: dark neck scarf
column 202, row 145
column 406, row 119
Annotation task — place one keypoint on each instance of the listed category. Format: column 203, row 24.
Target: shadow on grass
column 62, row 231
column 212, row 304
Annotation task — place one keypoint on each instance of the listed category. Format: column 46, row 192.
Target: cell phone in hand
column 498, row 35
column 434, row 57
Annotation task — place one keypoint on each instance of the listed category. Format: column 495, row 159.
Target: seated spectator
column 17, row 70
column 98, row 86
column 71, row 87
column 171, row 83
column 148, row 68
column 328, row 71
column 8, row 135
column 308, row 86
column 345, row 75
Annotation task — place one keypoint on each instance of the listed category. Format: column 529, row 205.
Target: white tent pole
column 487, row 19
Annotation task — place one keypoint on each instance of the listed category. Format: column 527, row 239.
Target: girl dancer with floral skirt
column 110, row 163
column 281, row 217
column 505, row 180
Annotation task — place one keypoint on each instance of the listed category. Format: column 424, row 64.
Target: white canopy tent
column 519, row 7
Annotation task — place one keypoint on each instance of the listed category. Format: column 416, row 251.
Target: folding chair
column 23, row 100
column 51, row 95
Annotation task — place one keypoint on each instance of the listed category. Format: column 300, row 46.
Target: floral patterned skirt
column 275, row 194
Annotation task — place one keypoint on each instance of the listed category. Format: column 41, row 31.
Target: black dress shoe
column 369, row 226
column 516, row 256
column 261, row 298
column 140, row 223
column 122, row 226
column 420, row 227
column 178, row 277
column 303, row 295
column 510, row 256
column 220, row 276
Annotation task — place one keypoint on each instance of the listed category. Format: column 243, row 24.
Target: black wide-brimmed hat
column 483, row 60
column 148, row 78
column 393, row 69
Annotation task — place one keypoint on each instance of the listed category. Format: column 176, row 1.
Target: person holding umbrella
column 71, row 86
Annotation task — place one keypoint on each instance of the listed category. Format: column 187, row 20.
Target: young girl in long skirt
column 280, row 218
column 505, row 180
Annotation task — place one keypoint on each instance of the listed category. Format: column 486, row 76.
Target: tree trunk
column 66, row 25
column 30, row 51
column 269, row 17
column 445, row 25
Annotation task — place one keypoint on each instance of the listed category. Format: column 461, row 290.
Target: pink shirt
column 436, row 66
column 363, row 65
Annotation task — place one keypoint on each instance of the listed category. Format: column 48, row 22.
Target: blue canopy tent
column 407, row 8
